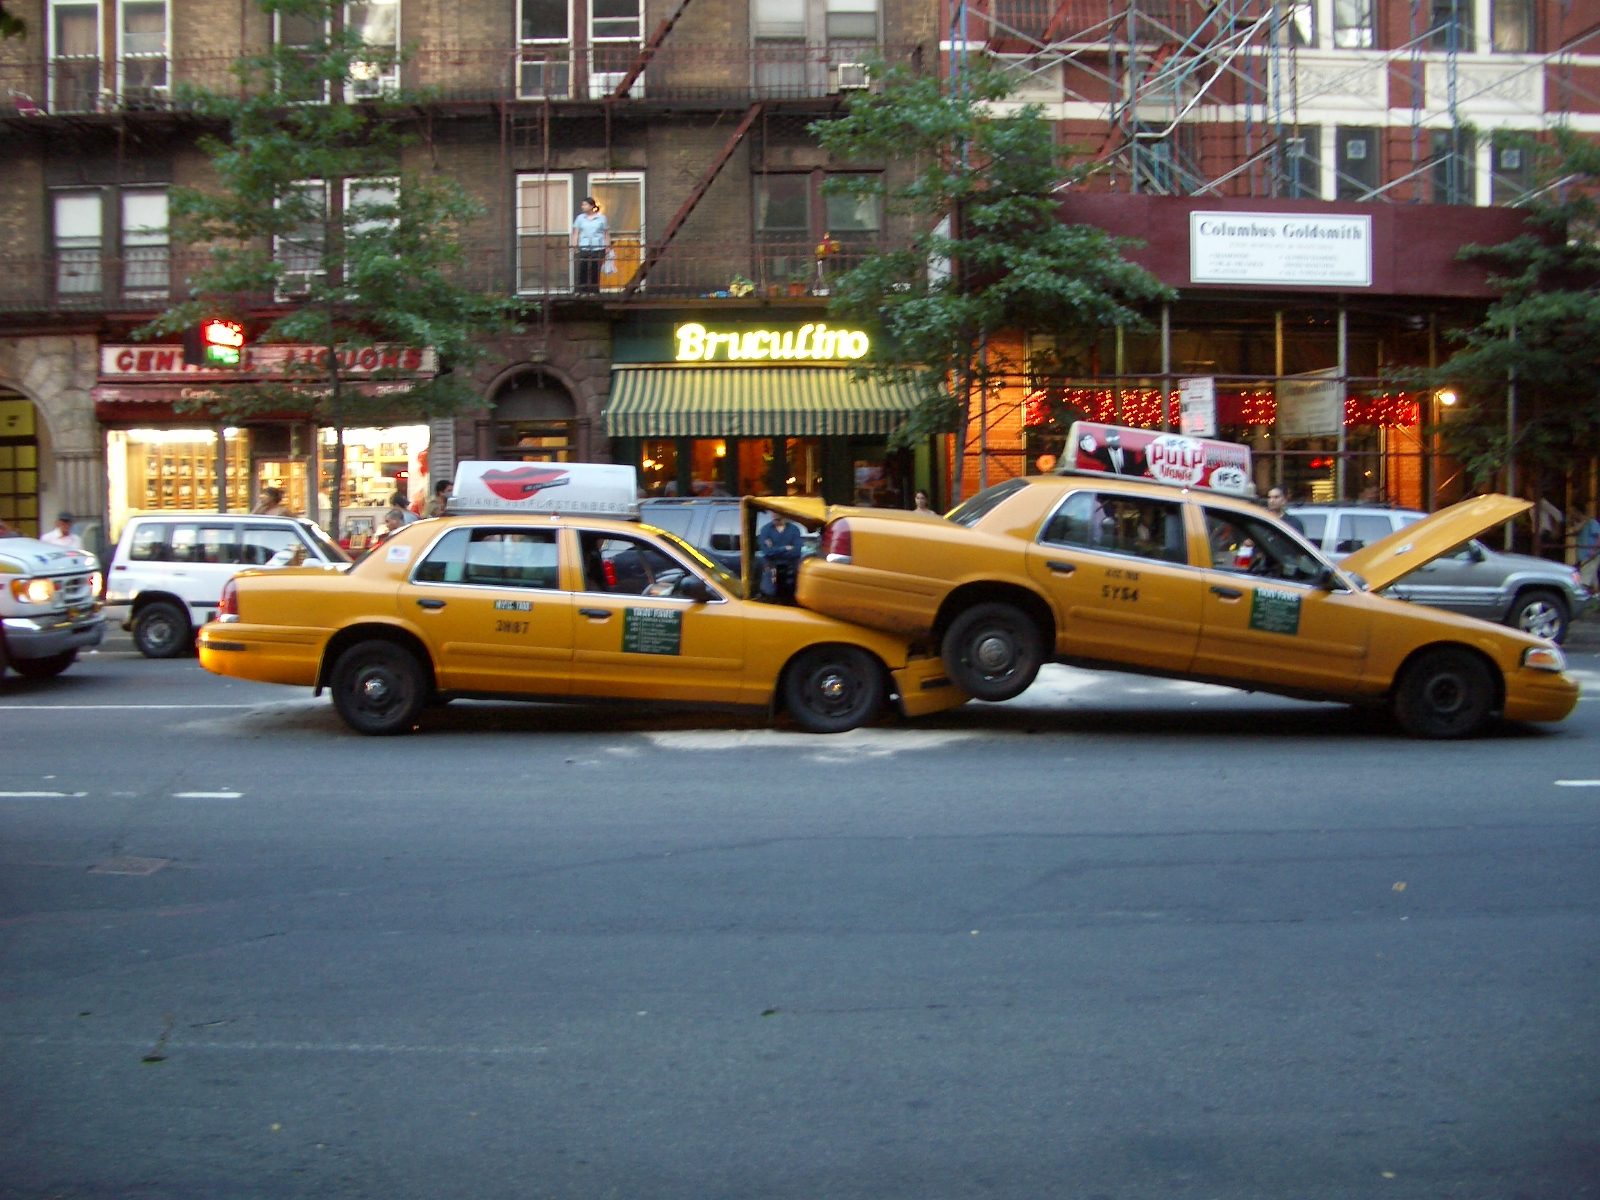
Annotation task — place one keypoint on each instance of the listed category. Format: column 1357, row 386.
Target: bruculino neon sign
column 812, row 342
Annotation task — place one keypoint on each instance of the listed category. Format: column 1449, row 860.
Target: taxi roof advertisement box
column 591, row 489
column 1162, row 457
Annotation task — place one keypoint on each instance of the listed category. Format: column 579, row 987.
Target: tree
column 980, row 180
column 317, row 223
column 1543, row 331
column 11, row 25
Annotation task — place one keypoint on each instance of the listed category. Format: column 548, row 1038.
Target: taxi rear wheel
column 831, row 689
column 1444, row 694
column 992, row 651
column 378, row 688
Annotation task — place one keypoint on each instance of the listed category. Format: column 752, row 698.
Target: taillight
column 228, row 606
column 836, row 541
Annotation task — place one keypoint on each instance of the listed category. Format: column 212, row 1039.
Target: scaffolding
column 1249, row 98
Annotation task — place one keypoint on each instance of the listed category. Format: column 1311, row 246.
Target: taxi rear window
column 970, row 512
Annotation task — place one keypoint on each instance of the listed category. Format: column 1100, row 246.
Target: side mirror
column 695, row 588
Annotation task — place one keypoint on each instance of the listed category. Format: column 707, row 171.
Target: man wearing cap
column 62, row 534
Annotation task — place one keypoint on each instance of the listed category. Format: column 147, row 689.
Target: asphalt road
column 1116, row 938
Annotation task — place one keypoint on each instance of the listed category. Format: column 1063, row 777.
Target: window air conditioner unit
column 296, row 285
column 851, row 77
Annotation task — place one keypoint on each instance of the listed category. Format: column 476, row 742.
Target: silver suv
column 1532, row 594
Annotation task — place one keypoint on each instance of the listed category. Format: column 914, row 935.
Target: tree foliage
column 11, row 25
column 321, row 231
column 980, row 180
column 1544, row 330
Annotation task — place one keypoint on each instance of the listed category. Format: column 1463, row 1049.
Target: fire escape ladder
column 692, row 199
column 648, row 51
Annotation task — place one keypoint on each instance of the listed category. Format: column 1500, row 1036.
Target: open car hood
column 1382, row 562
column 809, row 512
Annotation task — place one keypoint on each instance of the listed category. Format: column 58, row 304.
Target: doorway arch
column 533, row 417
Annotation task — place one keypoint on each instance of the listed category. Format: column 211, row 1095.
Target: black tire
column 162, row 630
column 1445, row 693
column 379, row 688
column 4, row 661
column 1540, row 612
column 45, row 668
column 831, row 689
column 992, row 651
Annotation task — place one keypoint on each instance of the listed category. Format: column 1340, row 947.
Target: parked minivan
column 167, row 571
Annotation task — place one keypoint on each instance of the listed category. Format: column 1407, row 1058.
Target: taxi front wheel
column 1445, row 693
column 831, row 689
column 992, row 651
column 378, row 688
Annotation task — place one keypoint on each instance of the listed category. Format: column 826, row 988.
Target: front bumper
column 925, row 687
column 50, row 634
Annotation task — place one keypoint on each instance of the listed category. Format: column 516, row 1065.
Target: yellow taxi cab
column 505, row 604
column 1142, row 555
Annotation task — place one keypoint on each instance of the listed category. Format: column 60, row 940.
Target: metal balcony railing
column 533, row 72
column 539, row 267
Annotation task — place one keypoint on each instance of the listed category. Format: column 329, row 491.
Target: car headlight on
column 1544, row 658
column 33, row 591
column 97, row 583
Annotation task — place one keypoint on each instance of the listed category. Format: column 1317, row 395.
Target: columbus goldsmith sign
column 130, row 364
column 1242, row 247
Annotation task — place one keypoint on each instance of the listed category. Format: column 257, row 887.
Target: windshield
column 970, row 512
column 331, row 550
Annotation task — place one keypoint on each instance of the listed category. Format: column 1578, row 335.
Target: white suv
column 1535, row 595
column 167, row 571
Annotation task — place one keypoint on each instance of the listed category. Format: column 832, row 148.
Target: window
column 74, row 55
column 626, row 566
column 1247, row 546
column 1352, row 24
column 301, row 251
column 1302, row 164
column 794, row 211
column 1299, row 22
column 1511, row 169
column 493, row 557
column 360, row 206
column 79, row 242
column 544, row 65
column 812, row 47
column 1451, row 26
column 145, row 247
column 544, row 222
column 378, row 24
column 1356, row 169
column 302, row 81
column 1451, row 152
column 1512, row 21
column 143, row 53
column 1117, row 524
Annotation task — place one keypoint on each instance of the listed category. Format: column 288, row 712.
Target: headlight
column 1544, row 658
column 33, row 591
column 97, row 583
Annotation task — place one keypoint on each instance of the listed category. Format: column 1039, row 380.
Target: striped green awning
column 752, row 402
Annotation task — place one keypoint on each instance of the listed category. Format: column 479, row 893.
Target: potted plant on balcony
column 799, row 281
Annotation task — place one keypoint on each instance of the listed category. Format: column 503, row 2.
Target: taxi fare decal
column 1273, row 610
column 652, row 631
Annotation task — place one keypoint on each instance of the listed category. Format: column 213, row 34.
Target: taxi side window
column 1121, row 524
column 1250, row 546
column 522, row 558
column 625, row 566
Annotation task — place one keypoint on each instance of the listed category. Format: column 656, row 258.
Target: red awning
column 158, row 403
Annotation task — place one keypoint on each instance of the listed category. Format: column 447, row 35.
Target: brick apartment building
column 1373, row 131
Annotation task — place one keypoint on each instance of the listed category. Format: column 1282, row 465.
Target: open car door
column 808, row 512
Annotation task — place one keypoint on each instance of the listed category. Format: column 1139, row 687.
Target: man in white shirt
column 62, row 534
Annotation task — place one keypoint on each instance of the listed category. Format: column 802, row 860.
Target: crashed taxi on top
column 1140, row 556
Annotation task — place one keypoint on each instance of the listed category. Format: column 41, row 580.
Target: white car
column 167, row 571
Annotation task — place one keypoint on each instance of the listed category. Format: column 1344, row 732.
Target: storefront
column 167, row 449
column 1300, row 324
column 722, row 406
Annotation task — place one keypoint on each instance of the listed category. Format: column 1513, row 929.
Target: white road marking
column 177, row 1046
column 116, row 707
column 42, row 795
column 1578, row 783
column 207, row 795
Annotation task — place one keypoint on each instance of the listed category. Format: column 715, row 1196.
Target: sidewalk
column 1584, row 633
